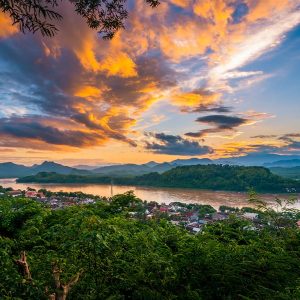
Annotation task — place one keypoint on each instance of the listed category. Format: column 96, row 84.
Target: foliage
column 116, row 256
column 105, row 16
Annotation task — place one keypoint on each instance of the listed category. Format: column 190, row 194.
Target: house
column 176, row 208
column 34, row 194
column 152, row 207
column 30, row 194
column 250, row 228
column 150, row 216
column 87, row 201
column 194, row 227
column 15, row 193
column 298, row 223
column 202, row 221
column 192, row 216
column 219, row 216
column 68, row 203
column 40, row 195
column 197, row 230
column 250, row 216
column 175, row 222
column 163, row 209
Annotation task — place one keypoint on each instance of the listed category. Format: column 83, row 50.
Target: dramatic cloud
column 60, row 87
column 264, row 136
column 292, row 141
column 75, row 90
column 289, row 136
column 175, row 145
column 212, row 108
column 26, row 130
column 219, row 123
column 195, row 98
column 222, row 121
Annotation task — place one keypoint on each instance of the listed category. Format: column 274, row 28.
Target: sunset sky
column 187, row 79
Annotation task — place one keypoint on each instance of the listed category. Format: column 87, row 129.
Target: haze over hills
column 11, row 170
column 257, row 159
column 284, row 163
column 150, row 167
column 253, row 159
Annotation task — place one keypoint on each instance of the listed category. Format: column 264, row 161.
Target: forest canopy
column 99, row 251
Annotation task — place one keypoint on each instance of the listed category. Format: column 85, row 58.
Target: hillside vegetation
column 293, row 172
column 214, row 177
column 98, row 251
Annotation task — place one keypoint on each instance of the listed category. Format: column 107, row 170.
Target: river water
column 160, row 195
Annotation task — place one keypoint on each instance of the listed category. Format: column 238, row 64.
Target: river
column 160, row 195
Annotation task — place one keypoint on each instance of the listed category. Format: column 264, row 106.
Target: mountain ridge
column 12, row 170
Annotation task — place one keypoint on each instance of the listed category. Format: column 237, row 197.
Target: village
column 192, row 216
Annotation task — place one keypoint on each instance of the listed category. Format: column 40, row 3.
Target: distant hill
column 128, row 170
column 150, row 167
column 11, row 170
column 191, row 161
column 49, row 166
column 256, row 159
column 132, row 169
column 251, row 159
column 284, row 163
column 213, row 177
column 293, row 173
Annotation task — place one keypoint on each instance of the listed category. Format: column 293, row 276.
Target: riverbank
column 160, row 195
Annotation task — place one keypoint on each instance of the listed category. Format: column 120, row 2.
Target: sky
column 186, row 79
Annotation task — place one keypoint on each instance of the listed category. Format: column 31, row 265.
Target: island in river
column 209, row 177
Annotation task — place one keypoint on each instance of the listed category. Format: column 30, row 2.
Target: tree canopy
column 99, row 252
column 105, row 16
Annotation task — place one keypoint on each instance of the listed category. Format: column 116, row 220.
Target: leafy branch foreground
column 105, row 16
column 99, row 251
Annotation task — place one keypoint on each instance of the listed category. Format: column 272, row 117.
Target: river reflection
column 160, row 195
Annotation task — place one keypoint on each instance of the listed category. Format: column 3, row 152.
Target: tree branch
column 24, row 266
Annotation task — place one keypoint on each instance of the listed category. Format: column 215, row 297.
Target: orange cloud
column 119, row 64
column 239, row 148
column 264, row 9
column 195, row 98
column 185, row 39
column 88, row 92
column 181, row 3
column 6, row 28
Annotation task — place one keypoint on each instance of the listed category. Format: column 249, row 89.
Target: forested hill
column 214, row 177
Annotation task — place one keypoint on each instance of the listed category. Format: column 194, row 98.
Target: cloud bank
column 162, row 143
column 76, row 91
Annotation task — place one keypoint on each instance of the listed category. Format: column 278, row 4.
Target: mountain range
column 11, row 170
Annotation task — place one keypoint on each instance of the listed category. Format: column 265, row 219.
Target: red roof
column 163, row 209
column 189, row 214
column 15, row 192
column 30, row 194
